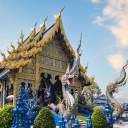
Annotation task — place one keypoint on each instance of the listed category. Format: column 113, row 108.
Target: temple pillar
column 37, row 76
column 11, row 78
column 3, row 88
column 15, row 90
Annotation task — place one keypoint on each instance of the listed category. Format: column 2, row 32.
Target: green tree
column 89, row 91
column 44, row 119
column 99, row 120
column 6, row 116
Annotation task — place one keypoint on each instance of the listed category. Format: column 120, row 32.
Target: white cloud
column 99, row 21
column 96, row 1
column 116, row 61
column 121, row 99
column 116, row 12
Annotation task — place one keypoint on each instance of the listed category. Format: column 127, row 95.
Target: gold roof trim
column 59, row 16
column 58, row 24
column 16, row 64
column 22, row 50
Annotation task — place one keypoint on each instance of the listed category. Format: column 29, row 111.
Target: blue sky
column 103, row 24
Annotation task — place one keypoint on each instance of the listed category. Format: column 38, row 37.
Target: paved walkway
column 123, row 125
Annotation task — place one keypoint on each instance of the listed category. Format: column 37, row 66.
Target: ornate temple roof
column 33, row 44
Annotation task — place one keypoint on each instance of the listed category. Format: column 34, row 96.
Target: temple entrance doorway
column 44, row 89
column 57, row 90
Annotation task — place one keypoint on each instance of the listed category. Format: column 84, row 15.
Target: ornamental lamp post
column 76, row 125
column 108, row 113
column 89, row 122
column 72, row 118
column 62, row 122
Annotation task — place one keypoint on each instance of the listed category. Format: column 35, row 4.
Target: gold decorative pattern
column 26, row 76
column 15, row 90
column 37, row 71
column 51, row 72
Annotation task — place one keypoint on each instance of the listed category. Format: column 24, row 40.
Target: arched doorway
column 45, row 82
column 57, row 89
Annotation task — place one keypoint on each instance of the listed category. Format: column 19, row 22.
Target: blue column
column 89, row 122
column 17, row 120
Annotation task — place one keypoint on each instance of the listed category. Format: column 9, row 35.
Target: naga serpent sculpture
column 113, row 88
column 67, row 106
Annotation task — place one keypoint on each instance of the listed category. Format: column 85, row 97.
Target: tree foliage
column 99, row 120
column 44, row 119
column 6, row 116
column 89, row 91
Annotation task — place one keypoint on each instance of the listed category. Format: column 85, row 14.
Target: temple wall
column 27, row 73
column 52, row 60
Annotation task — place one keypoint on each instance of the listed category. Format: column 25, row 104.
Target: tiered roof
column 33, row 44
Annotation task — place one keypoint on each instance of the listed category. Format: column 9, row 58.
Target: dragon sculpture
column 113, row 88
column 68, row 106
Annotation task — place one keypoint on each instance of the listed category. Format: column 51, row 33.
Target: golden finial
column 2, row 54
column 21, row 37
column 43, row 25
column 92, row 79
column 59, row 16
column 85, row 69
column 13, row 47
column 8, row 51
column 35, row 24
column 33, row 30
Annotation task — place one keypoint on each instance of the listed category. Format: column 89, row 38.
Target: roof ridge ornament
column 43, row 25
column 8, row 51
column 85, row 68
column 2, row 54
column 33, row 30
column 19, row 43
column 14, row 50
column 59, row 16
column 21, row 37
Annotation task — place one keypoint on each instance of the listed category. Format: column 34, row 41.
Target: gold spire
column 59, row 16
column 43, row 25
column 33, row 30
column 19, row 43
column 21, row 37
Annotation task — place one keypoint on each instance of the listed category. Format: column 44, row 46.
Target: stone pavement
column 123, row 125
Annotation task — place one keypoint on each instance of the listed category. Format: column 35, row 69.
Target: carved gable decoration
column 53, row 57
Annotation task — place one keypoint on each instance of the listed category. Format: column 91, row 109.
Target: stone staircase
column 83, row 123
